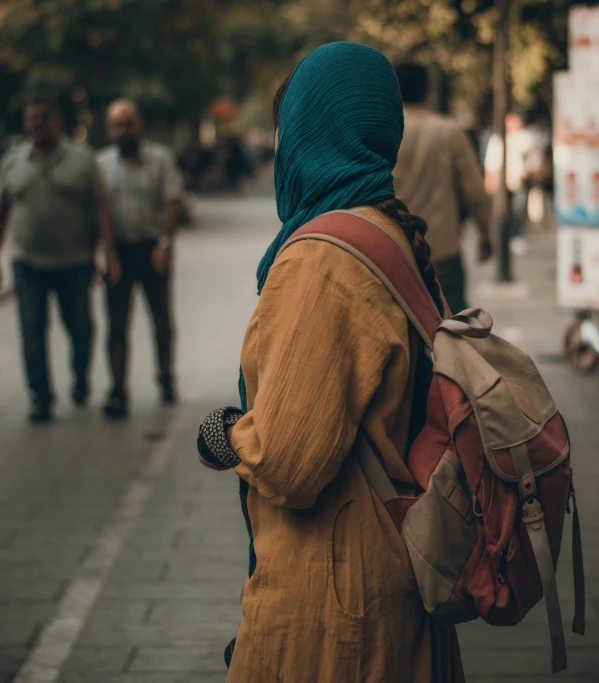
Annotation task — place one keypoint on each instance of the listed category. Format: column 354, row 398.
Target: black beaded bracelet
column 213, row 434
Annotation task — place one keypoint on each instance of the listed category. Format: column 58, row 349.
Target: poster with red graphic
column 576, row 163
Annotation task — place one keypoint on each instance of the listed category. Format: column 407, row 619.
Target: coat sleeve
column 322, row 351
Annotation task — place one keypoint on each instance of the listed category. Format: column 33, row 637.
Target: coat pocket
column 345, row 613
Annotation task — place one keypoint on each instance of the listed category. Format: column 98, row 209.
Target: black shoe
column 169, row 395
column 79, row 393
column 40, row 413
column 116, row 406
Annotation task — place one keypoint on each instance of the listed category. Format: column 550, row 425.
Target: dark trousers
column 519, row 211
column 72, row 287
column 453, row 282
column 136, row 261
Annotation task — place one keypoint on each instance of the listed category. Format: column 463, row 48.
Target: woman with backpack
column 331, row 596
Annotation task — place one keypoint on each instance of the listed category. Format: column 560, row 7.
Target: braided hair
column 414, row 227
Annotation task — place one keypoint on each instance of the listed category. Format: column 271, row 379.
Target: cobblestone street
column 121, row 558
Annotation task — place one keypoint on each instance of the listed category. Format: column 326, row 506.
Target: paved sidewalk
column 121, row 558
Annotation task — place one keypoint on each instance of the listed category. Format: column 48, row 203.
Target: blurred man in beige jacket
column 439, row 178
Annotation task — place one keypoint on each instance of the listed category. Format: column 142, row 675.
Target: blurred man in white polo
column 519, row 157
column 145, row 189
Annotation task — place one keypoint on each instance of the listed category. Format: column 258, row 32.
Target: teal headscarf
column 340, row 127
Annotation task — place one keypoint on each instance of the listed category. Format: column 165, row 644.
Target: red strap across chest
column 372, row 244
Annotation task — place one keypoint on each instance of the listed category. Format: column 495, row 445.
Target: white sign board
column 578, row 267
column 576, row 164
column 583, row 52
column 576, row 148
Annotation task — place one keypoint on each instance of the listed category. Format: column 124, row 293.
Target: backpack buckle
column 532, row 512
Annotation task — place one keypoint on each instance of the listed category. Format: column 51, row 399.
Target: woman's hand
column 114, row 270
column 161, row 258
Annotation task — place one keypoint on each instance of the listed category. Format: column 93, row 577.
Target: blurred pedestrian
column 237, row 164
column 53, row 200
column 540, row 167
column 332, row 596
column 520, row 146
column 146, row 189
column 439, row 178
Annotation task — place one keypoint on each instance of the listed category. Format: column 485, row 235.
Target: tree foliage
column 456, row 37
column 160, row 51
column 174, row 55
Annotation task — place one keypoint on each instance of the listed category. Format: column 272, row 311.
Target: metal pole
column 502, row 200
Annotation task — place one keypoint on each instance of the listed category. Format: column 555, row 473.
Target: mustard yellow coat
column 333, row 598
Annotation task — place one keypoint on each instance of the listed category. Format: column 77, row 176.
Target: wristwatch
column 165, row 242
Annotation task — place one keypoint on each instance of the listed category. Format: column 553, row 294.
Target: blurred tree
column 175, row 55
column 453, row 36
column 162, row 52
column 457, row 36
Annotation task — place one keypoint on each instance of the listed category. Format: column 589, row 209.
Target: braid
column 415, row 229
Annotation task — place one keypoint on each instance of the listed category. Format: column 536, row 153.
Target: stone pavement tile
column 159, row 540
column 190, row 659
column 35, row 611
column 135, row 568
column 42, row 529
column 56, row 571
column 210, row 589
column 211, row 530
column 198, row 613
column 17, row 509
column 50, row 545
column 12, row 657
column 16, row 631
column 529, row 661
column 183, row 569
column 202, row 515
column 214, row 540
column 111, row 659
column 27, row 590
column 122, row 611
column 538, row 614
column 206, row 561
column 208, row 633
column 144, row 677
column 476, row 635
column 563, row 677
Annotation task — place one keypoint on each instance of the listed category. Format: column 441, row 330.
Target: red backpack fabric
column 492, row 461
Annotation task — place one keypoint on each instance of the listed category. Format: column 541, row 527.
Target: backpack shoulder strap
column 375, row 246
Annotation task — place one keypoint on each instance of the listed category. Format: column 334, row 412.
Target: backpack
column 492, row 461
